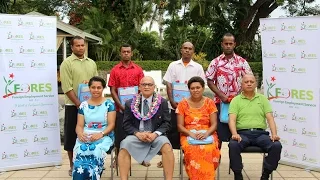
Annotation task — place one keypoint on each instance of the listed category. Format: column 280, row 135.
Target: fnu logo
column 50, row 151
column 289, row 130
column 265, row 27
column 12, row 88
column 305, row 55
column 279, row 116
column 295, row 143
column 16, row 65
column 288, row 155
column 12, row 36
column 31, row 153
column 276, row 68
column 294, row 117
column 43, row 23
column 37, row 65
column 42, row 139
column 5, row 23
column 15, row 114
column 23, row 50
column 22, row 23
column 285, row 27
column 6, row 51
column 286, row 55
column 305, row 132
column 309, row 26
column 269, row 55
column 49, row 125
column 5, row 128
column 309, row 159
column 275, row 41
column 27, row 126
column 36, row 37
column 15, row 140
column 295, row 41
column 285, row 93
column 36, row 112
column 295, row 69
column 46, row 50
column 9, row 156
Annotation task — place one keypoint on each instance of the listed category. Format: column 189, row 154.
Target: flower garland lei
column 152, row 111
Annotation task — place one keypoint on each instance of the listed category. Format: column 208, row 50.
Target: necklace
column 135, row 104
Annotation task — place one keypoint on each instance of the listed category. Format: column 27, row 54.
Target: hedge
column 149, row 65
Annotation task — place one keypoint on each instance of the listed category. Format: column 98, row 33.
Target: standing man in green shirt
column 74, row 70
column 247, row 122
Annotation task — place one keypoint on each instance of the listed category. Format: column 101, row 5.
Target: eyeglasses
column 147, row 84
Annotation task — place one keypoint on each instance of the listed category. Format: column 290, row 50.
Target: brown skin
column 196, row 100
column 187, row 51
column 248, row 85
column 126, row 55
column 228, row 44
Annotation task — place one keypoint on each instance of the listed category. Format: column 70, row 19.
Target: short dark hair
column 228, row 35
column 75, row 37
column 195, row 79
column 97, row 79
column 125, row 45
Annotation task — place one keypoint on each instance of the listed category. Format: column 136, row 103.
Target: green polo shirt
column 250, row 113
column 73, row 71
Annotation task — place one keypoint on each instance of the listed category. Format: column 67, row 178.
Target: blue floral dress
column 89, row 156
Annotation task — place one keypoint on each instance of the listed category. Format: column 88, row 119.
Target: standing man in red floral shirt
column 224, row 76
column 123, row 75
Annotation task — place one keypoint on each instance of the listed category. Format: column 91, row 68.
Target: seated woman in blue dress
column 96, row 121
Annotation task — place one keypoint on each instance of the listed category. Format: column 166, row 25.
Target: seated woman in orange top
column 198, row 113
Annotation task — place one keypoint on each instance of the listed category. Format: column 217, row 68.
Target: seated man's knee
column 277, row 145
column 166, row 148
column 233, row 144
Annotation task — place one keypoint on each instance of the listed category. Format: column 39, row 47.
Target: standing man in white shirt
column 180, row 71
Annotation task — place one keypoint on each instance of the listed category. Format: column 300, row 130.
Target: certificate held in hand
column 127, row 93
column 180, row 91
column 83, row 92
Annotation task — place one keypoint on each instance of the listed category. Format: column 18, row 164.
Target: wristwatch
column 102, row 133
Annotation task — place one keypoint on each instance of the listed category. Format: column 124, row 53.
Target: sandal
column 70, row 172
column 159, row 164
column 114, row 164
column 146, row 164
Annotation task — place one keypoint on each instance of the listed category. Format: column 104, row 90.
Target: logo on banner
column 5, row 128
column 12, row 36
column 12, row 89
column 46, row 50
column 285, row 93
column 42, row 113
column 27, row 153
column 288, row 55
column 49, row 125
column 37, row 65
column 5, row 23
column 15, row 114
column 50, row 151
column 288, row 155
column 269, row 55
column 9, row 156
column 279, row 116
column 22, row 23
column 265, row 27
column 309, row 159
column 285, row 27
column 43, row 139
column 295, row 143
column 294, row 69
column 309, row 26
column 298, row 118
column 295, row 41
column 305, row 55
column 283, row 141
column 23, row 50
column 27, row 126
column 34, row 37
column 275, row 41
column 6, row 51
column 46, row 24
column 305, row 132
column 289, row 130
column 278, row 69
column 15, row 140
column 16, row 65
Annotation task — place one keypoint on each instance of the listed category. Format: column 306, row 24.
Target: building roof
column 69, row 29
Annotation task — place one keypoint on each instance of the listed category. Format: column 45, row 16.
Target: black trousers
column 118, row 130
column 70, row 123
column 254, row 138
column 173, row 134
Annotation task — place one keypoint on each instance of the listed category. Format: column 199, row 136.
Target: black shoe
column 238, row 176
column 265, row 174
